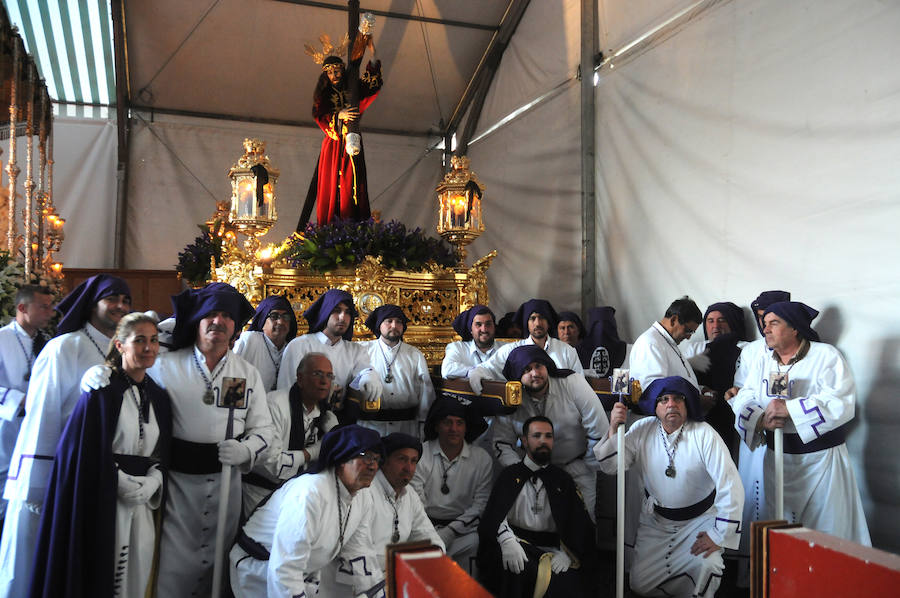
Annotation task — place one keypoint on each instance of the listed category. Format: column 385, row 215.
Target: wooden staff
column 620, row 511
column 779, row 473
column 224, row 490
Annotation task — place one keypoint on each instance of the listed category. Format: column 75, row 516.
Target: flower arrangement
column 12, row 277
column 344, row 244
column 194, row 260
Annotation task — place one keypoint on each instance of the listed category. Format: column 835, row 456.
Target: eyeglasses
column 369, row 457
column 320, row 374
column 667, row 398
column 285, row 317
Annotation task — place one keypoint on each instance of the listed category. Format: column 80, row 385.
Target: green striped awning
column 71, row 41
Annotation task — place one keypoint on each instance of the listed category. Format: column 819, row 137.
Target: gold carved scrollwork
column 476, row 291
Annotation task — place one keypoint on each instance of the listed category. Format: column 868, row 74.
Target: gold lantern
column 253, row 194
column 459, row 199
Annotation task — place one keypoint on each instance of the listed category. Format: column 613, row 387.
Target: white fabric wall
column 755, row 149
column 179, row 169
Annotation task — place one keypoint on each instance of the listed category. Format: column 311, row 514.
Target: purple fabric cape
column 267, row 305
column 602, row 332
column 764, row 300
column 75, row 549
column 76, row 307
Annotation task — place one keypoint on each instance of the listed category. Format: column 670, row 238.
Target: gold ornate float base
column 431, row 299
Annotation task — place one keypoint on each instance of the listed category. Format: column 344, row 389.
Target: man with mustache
column 198, row 373
column 539, row 318
column 262, row 344
column 315, row 527
column 407, row 391
column 90, row 314
column 453, row 478
column 536, row 538
column 694, row 497
column 566, row 398
column 331, row 320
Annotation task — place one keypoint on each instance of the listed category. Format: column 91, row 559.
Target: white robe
column 280, row 463
column 17, row 359
column 412, row 525
column 469, row 478
column 655, row 354
column 411, row 385
column 256, row 348
column 299, row 526
column 135, row 528
column 663, row 564
column 187, row 548
column 349, row 360
column 461, row 356
column 563, row 355
column 579, row 422
column 820, row 488
column 52, row 394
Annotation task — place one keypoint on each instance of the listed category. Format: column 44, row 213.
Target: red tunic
column 341, row 190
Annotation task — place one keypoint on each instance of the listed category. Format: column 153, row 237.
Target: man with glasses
column 655, row 353
column 262, row 344
column 315, row 526
column 301, row 418
column 694, row 496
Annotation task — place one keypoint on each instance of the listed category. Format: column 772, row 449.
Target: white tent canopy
column 744, row 146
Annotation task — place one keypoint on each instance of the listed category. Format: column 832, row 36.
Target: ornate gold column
column 11, row 169
column 28, row 215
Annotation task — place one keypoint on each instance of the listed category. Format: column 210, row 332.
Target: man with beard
column 477, row 327
column 339, row 185
column 814, row 408
column 568, row 400
column 453, row 477
column 539, row 318
column 301, row 418
column 397, row 513
column 272, row 327
column 693, row 492
column 330, row 321
column 90, row 314
column 315, row 526
column 536, row 538
column 407, row 391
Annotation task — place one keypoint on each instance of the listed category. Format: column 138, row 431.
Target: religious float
column 378, row 263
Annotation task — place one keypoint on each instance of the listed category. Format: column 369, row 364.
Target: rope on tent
column 437, row 96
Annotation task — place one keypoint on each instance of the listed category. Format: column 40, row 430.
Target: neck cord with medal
column 445, row 489
column 277, row 363
column 388, row 376
column 538, row 505
column 342, row 521
column 93, row 342
column 28, row 358
column 143, row 407
column 670, row 470
column 395, row 536
column 674, row 347
column 208, row 396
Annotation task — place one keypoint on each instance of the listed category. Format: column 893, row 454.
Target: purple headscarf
column 733, row 314
column 382, row 313
column 396, row 441
column 520, row 357
column 444, row 406
column 76, row 307
column 344, row 443
column 571, row 316
column 798, row 315
column 267, row 305
column 462, row 324
column 765, row 299
column 536, row 306
column 193, row 305
column 602, row 332
column 317, row 314
column 672, row 385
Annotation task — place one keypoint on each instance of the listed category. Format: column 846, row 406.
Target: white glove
column 561, row 561
column 147, row 486
column 476, row 375
column 127, row 484
column 354, row 144
column 700, row 363
column 95, row 377
column 446, row 534
column 232, row 452
column 370, row 387
column 514, row 558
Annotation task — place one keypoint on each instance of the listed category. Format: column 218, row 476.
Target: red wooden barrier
column 431, row 574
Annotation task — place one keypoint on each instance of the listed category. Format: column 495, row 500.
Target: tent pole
column 589, row 295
